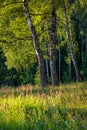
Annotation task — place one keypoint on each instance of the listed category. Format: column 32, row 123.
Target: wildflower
column 51, row 92
column 23, row 87
column 17, row 90
column 30, row 88
column 26, row 91
column 4, row 96
column 21, row 94
column 43, row 95
column 12, row 95
column 58, row 92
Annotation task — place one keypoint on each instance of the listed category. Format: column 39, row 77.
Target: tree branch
column 18, row 39
column 2, row 6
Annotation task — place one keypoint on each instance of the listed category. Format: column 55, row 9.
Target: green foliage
column 37, row 77
column 66, row 77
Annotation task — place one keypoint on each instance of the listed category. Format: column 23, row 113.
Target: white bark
column 59, row 58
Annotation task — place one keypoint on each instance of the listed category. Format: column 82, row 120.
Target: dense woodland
column 43, row 42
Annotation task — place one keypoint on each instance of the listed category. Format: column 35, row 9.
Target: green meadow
column 51, row 108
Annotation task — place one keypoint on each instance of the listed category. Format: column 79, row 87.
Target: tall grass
column 33, row 108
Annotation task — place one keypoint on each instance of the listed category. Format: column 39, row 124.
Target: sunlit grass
column 52, row 108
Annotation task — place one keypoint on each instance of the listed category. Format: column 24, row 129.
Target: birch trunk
column 82, row 50
column 47, row 68
column 78, row 75
column 47, row 62
column 41, row 61
column 59, row 59
column 52, row 31
column 86, row 42
column 70, row 68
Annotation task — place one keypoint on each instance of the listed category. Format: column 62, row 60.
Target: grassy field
column 52, row 108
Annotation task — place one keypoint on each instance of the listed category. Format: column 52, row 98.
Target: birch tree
column 52, row 33
column 70, row 40
column 36, row 45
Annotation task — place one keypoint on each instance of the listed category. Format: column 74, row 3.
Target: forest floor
column 51, row 108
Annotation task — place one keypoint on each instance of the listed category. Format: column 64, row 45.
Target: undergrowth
column 52, row 108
